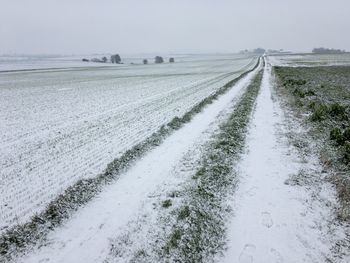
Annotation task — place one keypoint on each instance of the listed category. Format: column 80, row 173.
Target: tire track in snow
column 173, row 208
column 85, row 238
column 272, row 221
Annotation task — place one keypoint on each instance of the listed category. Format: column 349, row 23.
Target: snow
column 274, row 221
column 310, row 60
column 61, row 62
column 60, row 126
column 64, row 125
column 13, row 63
column 85, row 238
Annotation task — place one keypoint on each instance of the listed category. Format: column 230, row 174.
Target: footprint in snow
column 246, row 255
column 276, row 256
column 266, row 219
column 251, row 191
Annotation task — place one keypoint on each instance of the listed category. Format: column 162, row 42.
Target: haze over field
column 91, row 26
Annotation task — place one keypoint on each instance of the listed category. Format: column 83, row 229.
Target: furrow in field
column 60, row 125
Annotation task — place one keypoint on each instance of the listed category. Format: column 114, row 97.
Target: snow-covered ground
column 58, row 132
column 277, row 221
column 47, row 62
column 58, row 126
column 86, row 237
column 310, row 60
column 11, row 63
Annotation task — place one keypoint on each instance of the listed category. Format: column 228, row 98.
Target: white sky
column 142, row 26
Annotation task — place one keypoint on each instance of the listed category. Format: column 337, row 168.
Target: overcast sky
column 144, row 26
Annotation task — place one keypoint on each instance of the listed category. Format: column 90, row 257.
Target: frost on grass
column 199, row 230
column 191, row 217
column 322, row 96
column 317, row 99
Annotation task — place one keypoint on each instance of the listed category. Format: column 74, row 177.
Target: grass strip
column 198, row 233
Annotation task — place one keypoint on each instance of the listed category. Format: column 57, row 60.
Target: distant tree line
column 322, row 50
column 159, row 59
column 117, row 60
column 114, row 59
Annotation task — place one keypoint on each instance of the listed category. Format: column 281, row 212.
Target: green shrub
column 337, row 110
column 310, row 93
column 301, row 82
column 320, row 112
column 312, row 105
column 294, row 82
column 346, row 156
column 167, row 203
column 302, row 94
column 175, row 237
column 336, row 135
column 298, row 92
column 184, row 213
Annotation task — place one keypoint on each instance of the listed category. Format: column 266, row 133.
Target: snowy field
column 58, row 126
column 22, row 62
column 298, row 60
column 32, row 62
column 10, row 63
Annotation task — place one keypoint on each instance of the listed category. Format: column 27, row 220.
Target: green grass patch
column 167, row 203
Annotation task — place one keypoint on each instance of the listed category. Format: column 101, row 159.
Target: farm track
column 284, row 207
